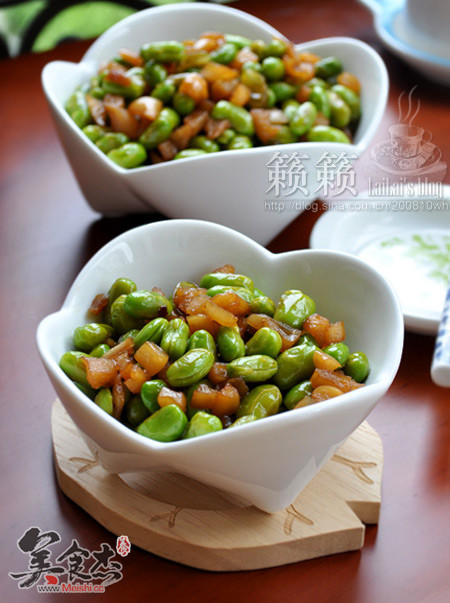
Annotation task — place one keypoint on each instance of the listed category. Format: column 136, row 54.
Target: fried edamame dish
column 173, row 100
column 214, row 355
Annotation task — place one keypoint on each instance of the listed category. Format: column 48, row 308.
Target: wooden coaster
column 183, row 520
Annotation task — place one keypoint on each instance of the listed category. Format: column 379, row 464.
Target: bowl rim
column 377, row 388
column 86, row 61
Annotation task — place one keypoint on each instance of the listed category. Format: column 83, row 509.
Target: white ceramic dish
column 429, row 54
column 266, row 463
column 227, row 187
column 384, row 231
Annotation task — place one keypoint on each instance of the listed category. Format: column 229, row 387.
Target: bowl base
column 182, row 520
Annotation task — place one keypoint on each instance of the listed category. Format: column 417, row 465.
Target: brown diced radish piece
column 137, row 378
column 265, row 130
column 220, row 315
column 289, row 335
column 167, row 149
column 307, row 57
column 146, row 106
column 322, row 360
column 206, row 105
column 277, row 116
column 152, row 358
column 98, row 304
column 192, row 125
column 244, row 55
column 118, row 396
column 127, row 345
column 232, row 302
column 303, row 93
column 209, row 41
column 215, row 71
column 97, row 109
column 182, row 296
column 113, row 100
column 335, row 378
column 197, row 304
column 321, row 120
column 226, row 268
column 218, row 373
column 215, row 127
column 155, row 157
column 349, row 81
column 203, row 397
column 336, row 332
column 202, row 321
column 131, row 57
column 227, row 401
column 299, row 71
column 325, row 392
column 117, row 75
column 121, row 120
column 323, row 332
column 241, row 95
column 306, row 401
column 163, row 372
column 100, row 372
column 124, row 364
column 223, row 89
column 240, row 385
column 168, row 396
column 195, row 86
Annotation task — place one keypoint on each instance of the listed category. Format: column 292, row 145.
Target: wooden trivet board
column 180, row 519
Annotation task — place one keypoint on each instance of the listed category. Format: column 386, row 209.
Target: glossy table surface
column 48, row 232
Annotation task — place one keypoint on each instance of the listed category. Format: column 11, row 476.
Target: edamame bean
column 99, row 350
column 262, row 305
column 275, row 48
column 339, row 351
column 340, row 113
column 226, row 137
column 297, row 393
column 182, row 103
column 131, row 333
column 160, row 130
column 90, row 335
column 135, row 410
column 188, row 153
column 327, row 134
column 302, row 118
column 134, row 89
column 111, row 140
column 241, row 291
column 319, row 97
column 273, row 68
column 243, row 420
column 165, row 425
column 328, row 66
column 147, row 304
column 164, row 90
column 202, row 423
column 94, row 132
column 120, row 319
column 78, row 109
column 204, row 143
column 238, row 41
column 224, row 54
column 357, row 366
column 163, row 52
column 265, row 341
column 240, row 141
column 149, row 394
column 175, row 338
column 202, row 339
column 262, row 401
column 129, row 155
column 295, row 364
column 71, row 363
column 294, row 308
column 190, row 368
column 351, row 99
column 230, row 344
column 154, row 73
column 240, row 119
column 87, row 390
column 253, row 368
column 283, row 91
column 225, row 278
column 104, row 399
column 153, row 331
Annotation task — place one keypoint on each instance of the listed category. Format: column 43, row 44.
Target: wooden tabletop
column 48, row 232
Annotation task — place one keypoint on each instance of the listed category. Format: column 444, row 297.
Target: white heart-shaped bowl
column 268, row 462
column 227, row 187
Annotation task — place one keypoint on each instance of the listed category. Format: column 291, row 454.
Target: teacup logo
column 408, row 154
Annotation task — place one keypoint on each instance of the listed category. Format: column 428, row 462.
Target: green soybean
column 202, row 423
column 94, row 132
column 152, row 331
column 275, row 48
column 240, row 141
column 297, row 393
column 303, row 118
column 78, row 109
column 351, row 99
column 319, row 97
column 204, row 143
column 226, row 137
column 163, row 52
column 240, row 119
column 134, row 89
column 238, row 41
column 273, row 68
column 175, row 338
column 129, row 155
column 99, row 350
column 71, row 363
column 294, row 365
column 135, row 410
column 202, row 339
column 327, row 134
column 262, row 401
column 328, row 66
column 262, row 305
column 149, row 394
column 294, row 308
column 225, row 278
column 224, row 54
column 164, row 90
column 120, row 319
column 244, row 420
column 182, row 103
column 165, row 425
column 110, row 141
column 283, row 91
column 339, row 351
column 88, row 336
column 230, row 344
column 244, row 293
column 265, row 341
column 357, row 366
column 147, row 304
column 340, row 113
column 154, row 73
column 160, row 130
column 188, row 153
column 104, row 400
column 253, row 368
column 190, row 368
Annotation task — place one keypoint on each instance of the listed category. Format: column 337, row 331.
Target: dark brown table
column 48, row 232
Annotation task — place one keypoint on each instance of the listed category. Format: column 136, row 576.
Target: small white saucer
column 423, row 53
column 406, row 238
column 382, row 157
